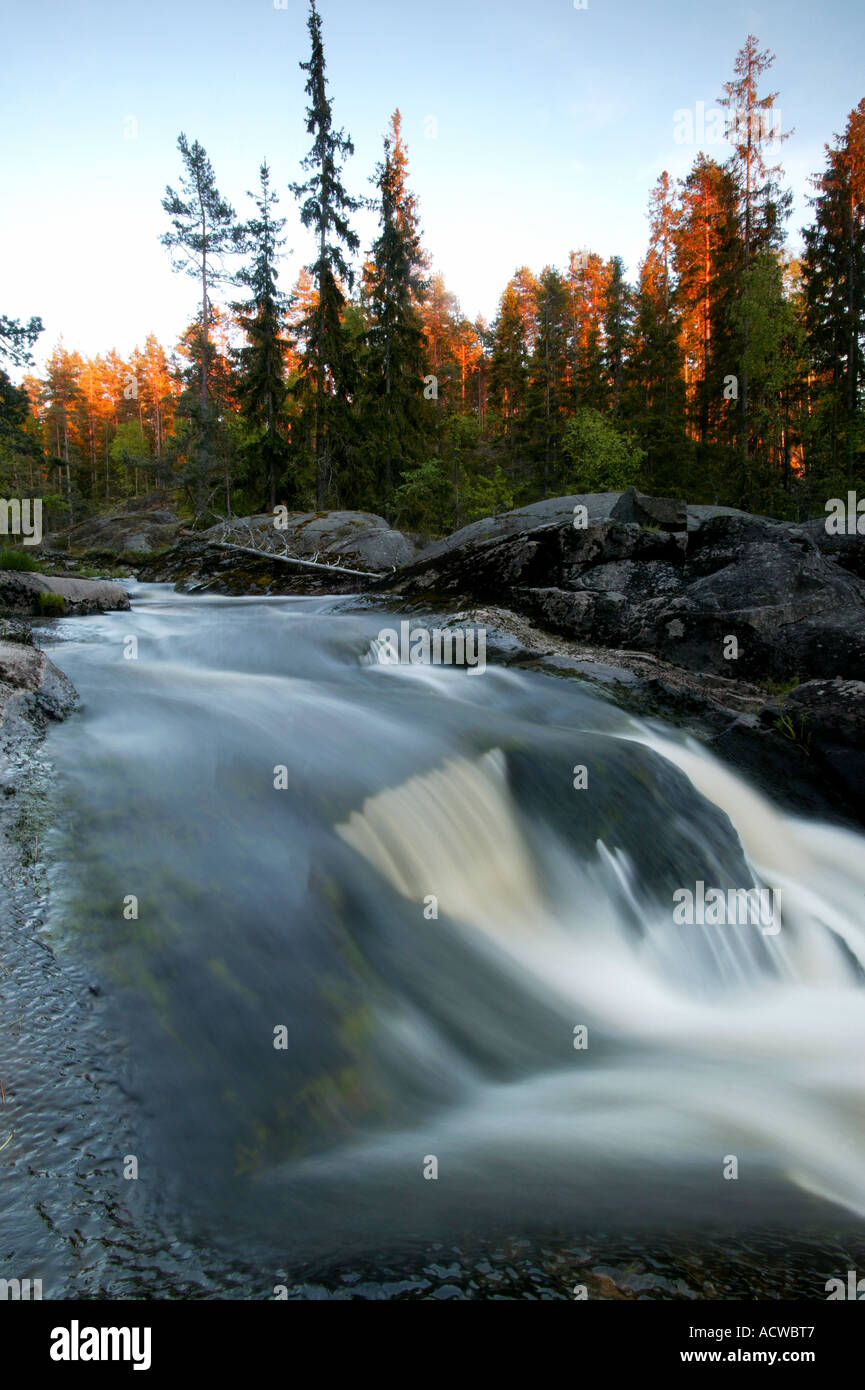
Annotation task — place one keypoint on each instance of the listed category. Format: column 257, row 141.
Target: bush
column 50, row 605
column 16, row 560
column 597, row 457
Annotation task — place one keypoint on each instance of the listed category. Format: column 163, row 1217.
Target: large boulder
column 30, row 683
column 557, row 511
column 200, row 561
column 791, row 610
column 22, row 592
column 660, row 513
column 360, row 540
column 122, row 535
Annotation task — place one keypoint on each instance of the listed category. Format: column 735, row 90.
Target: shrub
column 597, row 457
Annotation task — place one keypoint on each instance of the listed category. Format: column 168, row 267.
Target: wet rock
column 825, row 720
column 32, row 687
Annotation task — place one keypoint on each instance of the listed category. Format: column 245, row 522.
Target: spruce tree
column 397, row 416
column 548, row 373
column 326, row 208
column 261, row 388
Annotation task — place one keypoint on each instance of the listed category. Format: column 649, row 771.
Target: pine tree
column 262, row 388
column 706, row 264
column 156, row 391
column 203, row 232
column 17, row 339
column 586, row 283
column 63, row 421
column 326, row 207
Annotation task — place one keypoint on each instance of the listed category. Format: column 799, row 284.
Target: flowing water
column 346, row 923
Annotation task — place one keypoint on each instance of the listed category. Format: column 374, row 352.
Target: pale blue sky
column 552, row 125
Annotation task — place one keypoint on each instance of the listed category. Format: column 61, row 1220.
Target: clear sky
column 550, row 124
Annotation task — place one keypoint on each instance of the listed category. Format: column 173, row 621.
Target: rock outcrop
column 23, row 592
column 121, row 536
column 354, row 540
column 32, row 688
column 722, row 592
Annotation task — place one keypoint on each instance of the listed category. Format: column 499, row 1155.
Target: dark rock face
column 665, row 513
column 827, row 720
column 848, row 550
column 681, row 594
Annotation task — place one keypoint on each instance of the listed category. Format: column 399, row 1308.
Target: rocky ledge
column 708, row 589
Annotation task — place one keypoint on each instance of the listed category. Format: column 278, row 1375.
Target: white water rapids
column 413, row 1032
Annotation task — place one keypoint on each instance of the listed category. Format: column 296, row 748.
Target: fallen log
column 294, row 560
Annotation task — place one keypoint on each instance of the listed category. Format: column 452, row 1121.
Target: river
column 349, row 968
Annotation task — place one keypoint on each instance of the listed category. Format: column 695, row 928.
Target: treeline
column 730, row 372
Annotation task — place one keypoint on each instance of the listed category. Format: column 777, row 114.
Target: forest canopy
column 731, row 371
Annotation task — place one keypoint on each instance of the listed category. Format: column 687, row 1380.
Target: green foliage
column 424, row 498
column 130, row 444
column 261, row 386
column 482, row 496
column 796, row 733
column 16, row 559
column 50, row 605
column 598, row 457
